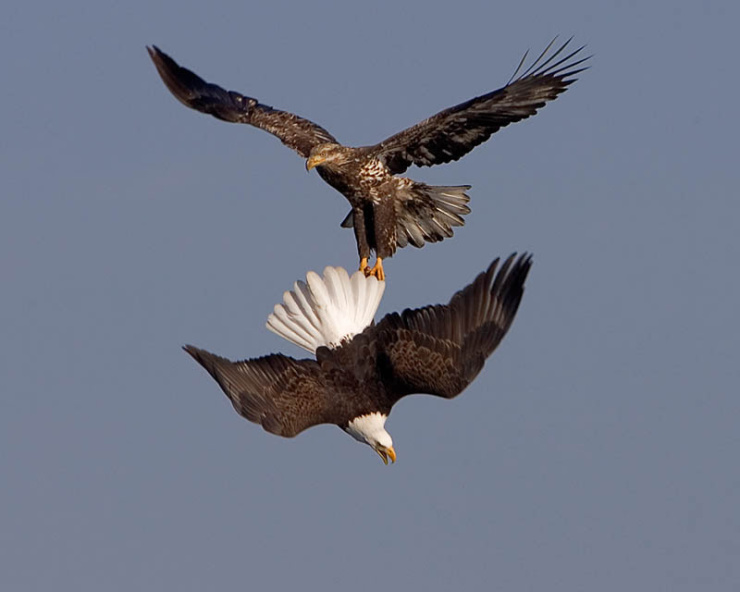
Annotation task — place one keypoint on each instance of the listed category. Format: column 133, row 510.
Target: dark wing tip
column 496, row 293
column 190, row 89
column 509, row 283
column 161, row 60
column 206, row 359
column 549, row 64
column 513, row 272
column 193, row 351
column 490, row 305
column 524, row 262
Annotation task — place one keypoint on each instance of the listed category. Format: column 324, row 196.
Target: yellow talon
column 377, row 270
column 363, row 266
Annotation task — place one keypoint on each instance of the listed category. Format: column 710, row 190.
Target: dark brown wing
column 284, row 395
column 440, row 349
column 190, row 89
column 452, row 133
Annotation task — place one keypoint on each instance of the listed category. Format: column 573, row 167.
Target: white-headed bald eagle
column 362, row 369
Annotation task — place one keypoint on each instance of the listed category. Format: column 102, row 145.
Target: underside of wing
column 190, row 89
column 284, row 395
column 454, row 132
column 440, row 349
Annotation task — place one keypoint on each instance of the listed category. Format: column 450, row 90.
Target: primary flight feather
column 362, row 369
column 390, row 211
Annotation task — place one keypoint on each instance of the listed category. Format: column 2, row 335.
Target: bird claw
column 376, row 271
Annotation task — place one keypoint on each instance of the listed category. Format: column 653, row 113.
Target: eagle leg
column 363, row 266
column 377, row 270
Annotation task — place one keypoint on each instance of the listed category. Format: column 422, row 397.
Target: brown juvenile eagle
column 390, row 211
column 362, row 369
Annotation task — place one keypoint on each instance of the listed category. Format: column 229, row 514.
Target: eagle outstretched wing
column 440, row 349
column 190, row 89
column 284, row 395
column 452, row 133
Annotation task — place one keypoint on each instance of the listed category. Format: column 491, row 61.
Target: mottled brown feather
column 190, row 89
column 366, row 175
column 436, row 350
column 284, row 395
column 453, row 132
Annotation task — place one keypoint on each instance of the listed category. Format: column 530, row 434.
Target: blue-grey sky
column 598, row 450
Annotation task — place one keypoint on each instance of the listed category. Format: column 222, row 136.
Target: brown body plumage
column 436, row 350
column 389, row 211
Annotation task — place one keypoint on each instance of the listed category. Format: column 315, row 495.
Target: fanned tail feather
column 431, row 214
column 428, row 215
column 326, row 311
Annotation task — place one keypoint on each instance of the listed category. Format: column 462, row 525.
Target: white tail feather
column 326, row 311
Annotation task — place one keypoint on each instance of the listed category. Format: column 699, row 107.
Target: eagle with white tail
column 390, row 211
column 362, row 369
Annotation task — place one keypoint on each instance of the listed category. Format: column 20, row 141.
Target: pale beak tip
column 385, row 454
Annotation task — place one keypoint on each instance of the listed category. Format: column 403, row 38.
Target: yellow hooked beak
column 386, row 453
column 314, row 161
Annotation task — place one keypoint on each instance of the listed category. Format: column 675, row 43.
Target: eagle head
column 370, row 429
column 325, row 154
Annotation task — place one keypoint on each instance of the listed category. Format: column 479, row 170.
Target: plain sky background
column 599, row 448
